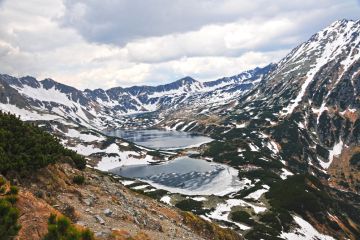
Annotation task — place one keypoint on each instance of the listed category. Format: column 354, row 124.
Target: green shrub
column 271, row 220
column 9, row 215
column 2, row 181
column 8, row 220
column 287, row 135
column 279, row 220
column 13, row 190
column 87, row 235
column 25, row 147
column 266, row 176
column 355, row 160
column 297, row 194
column 261, row 231
column 216, row 147
column 78, row 179
column 11, row 199
column 78, row 160
column 190, row 205
column 62, row 229
column 157, row 194
column 52, row 219
column 154, row 153
column 242, row 216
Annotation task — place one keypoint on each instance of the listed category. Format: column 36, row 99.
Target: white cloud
column 208, row 68
column 205, row 39
column 231, row 40
column 250, row 35
column 120, row 22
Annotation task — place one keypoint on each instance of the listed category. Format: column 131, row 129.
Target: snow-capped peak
column 99, row 106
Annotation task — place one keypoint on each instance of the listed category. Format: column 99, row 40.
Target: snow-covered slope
column 99, row 108
column 319, row 66
column 312, row 98
column 301, row 121
column 318, row 85
column 182, row 92
column 299, row 127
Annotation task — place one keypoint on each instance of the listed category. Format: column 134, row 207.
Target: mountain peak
column 186, row 80
column 343, row 21
column 49, row 81
column 343, row 25
column 317, row 70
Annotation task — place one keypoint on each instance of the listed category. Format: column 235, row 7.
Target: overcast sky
column 108, row 43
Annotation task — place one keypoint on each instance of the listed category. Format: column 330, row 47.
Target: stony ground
column 102, row 204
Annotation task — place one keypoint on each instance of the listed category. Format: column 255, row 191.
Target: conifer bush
column 25, row 147
column 60, row 228
column 9, row 214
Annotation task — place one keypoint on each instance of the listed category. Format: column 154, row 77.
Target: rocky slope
column 103, row 205
column 313, row 94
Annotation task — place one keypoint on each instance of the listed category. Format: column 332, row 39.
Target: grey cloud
column 119, row 22
column 60, row 39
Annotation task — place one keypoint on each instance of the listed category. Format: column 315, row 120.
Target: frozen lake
column 187, row 176
column 161, row 139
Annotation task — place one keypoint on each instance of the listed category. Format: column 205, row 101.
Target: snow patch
column 273, row 147
column 82, row 136
column 285, row 173
column 127, row 182
column 253, row 147
column 242, row 125
column 140, row 187
column 26, row 115
column 258, row 193
column 336, row 151
column 199, row 199
column 223, row 210
column 304, row 232
column 166, row 199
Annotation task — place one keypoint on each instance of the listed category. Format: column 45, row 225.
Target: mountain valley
column 280, row 145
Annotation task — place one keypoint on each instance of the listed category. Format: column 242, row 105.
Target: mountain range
column 99, row 108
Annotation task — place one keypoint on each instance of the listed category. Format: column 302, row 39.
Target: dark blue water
column 160, row 139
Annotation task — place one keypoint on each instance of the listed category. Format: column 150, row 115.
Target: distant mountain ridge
column 99, row 107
